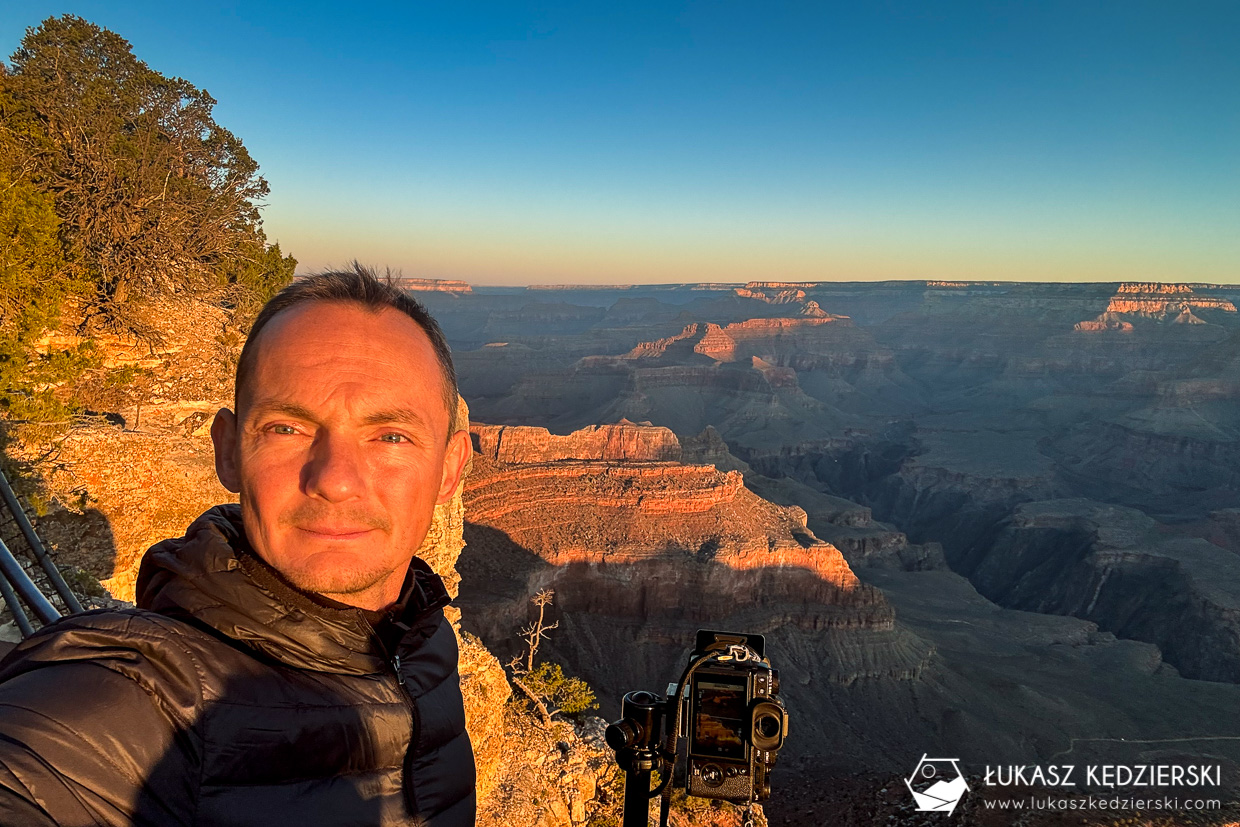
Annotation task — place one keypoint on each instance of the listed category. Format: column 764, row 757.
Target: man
column 289, row 662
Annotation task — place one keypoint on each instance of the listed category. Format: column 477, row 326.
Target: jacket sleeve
column 81, row 744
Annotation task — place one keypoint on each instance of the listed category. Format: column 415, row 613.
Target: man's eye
column 284, row 430
column 395, row 439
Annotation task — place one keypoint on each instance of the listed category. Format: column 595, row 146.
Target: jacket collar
column 211, row 577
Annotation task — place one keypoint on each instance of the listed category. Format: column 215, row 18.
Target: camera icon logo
column 937, row 784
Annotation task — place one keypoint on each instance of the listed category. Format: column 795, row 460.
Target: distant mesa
column 1173, row 303
column 772, row 295
column 1154, row 288
column 433, row 285
column 1165, row 308
column 783, row 285
column 1107, row 321
column 597, row 287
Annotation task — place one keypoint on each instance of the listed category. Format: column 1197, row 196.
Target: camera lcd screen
column 719, row 716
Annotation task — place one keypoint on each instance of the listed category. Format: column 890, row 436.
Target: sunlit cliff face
column 638, row 537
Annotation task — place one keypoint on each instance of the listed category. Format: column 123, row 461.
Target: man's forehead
column 383, row 358
column 342, row 321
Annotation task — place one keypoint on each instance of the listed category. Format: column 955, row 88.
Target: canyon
column 1037, row 481
column 990, row 520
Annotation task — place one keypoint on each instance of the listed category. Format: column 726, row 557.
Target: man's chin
column 335, row 581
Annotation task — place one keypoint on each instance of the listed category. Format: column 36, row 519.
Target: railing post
column 19, row 614
column 25, row 587
column 36, row 545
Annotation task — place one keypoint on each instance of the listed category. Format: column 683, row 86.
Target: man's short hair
column 359, row 285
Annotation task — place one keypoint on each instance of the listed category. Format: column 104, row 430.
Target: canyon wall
column 619, row 442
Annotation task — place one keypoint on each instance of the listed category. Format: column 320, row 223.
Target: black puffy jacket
column 231, row 698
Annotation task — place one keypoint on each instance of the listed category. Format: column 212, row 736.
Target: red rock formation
column 1148, row 306
column 1107, row 321
column 716, row 344
column 661, row 539
column 1159, row 302
column 685, row 338
column 772, row 296
column 649, row 489
column 813, row 339
column 624, row 441
column 761, row 327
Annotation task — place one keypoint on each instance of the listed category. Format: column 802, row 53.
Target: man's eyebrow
column 294, row 410
column 405, row 416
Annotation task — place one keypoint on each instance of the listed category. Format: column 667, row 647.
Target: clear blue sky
column 725, row 141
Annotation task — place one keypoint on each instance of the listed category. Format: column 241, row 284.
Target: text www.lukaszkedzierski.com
column 1165, row 803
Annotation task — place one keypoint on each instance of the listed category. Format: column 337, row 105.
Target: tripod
column 635, row 738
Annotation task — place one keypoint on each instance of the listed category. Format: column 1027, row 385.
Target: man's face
column 338, row 450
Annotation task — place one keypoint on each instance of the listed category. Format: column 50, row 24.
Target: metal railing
column 16, row 585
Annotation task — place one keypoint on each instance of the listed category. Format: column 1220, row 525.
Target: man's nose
column 335, row 471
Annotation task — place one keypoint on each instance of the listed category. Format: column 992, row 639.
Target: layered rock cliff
column 641, row 554
column 619, row 442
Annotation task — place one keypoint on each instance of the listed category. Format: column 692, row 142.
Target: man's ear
column 454, row 461
column 224, row 439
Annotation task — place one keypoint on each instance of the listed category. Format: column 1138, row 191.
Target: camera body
column 736, row 722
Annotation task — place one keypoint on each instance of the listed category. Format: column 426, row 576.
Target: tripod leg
column 637, row 798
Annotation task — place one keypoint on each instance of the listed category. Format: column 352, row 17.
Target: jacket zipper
column 406, row 782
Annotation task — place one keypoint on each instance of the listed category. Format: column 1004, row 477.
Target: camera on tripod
column 736, row 721
column 726, row 707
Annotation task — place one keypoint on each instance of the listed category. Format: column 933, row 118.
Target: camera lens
column 622, row 735
column 712, row 775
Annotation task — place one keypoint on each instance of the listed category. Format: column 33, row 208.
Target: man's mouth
column 336, row 532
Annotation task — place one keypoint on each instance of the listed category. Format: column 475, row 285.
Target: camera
column 735, row 720
column 725, row 707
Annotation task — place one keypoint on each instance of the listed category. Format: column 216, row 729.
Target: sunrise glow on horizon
column 725, row 141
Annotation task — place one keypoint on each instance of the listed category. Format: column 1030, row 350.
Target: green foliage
column 254, row 276
column 31, row 289
column 116, row 187
column 569, row 695
column 545, row 685
column 152, row 196
column 41, row 388
column 83, row 582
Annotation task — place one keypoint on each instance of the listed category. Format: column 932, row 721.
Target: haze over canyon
column 991, row 520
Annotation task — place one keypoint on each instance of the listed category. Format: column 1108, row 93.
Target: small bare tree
column 546, row 684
